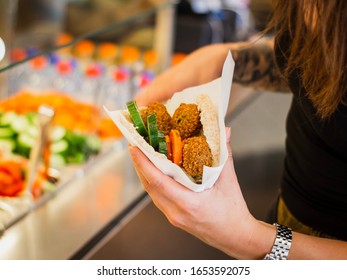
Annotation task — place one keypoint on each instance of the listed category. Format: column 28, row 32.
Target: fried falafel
column 198, row 124
column 163, row 117
column 195, row 154
column 186, row 119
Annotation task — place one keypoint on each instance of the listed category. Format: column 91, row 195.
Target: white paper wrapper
column 219, row 92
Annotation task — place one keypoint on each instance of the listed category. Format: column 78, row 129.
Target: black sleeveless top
column 314, row 181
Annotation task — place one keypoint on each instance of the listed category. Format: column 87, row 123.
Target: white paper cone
column 219, row 92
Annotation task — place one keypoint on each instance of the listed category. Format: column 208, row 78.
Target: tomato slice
column 11, row 189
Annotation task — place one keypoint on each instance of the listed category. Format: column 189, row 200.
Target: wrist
column 252, row 240
column 260, row 240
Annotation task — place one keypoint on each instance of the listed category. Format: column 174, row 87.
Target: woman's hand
column 218, row 216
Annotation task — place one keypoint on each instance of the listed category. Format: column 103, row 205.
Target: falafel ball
column 186, row 119
column 163, row 117
column 195, row 154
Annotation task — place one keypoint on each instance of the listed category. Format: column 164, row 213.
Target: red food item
column 11, row 178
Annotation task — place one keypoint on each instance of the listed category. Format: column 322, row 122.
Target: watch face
column 2, row 49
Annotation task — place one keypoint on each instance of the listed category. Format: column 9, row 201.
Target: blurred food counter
column 80, row 214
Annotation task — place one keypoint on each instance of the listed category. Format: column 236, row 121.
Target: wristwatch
column 281, row 247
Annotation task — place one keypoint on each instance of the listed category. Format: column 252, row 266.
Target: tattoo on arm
column 255, row 66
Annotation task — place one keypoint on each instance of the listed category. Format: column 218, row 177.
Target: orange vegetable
column 69, row 113
column 168, row 147
column 108, row 129
column 176, row 146
column 40, row 179
column 11, row 178
column 37, row 186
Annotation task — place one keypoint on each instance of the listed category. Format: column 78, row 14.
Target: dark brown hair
column 317, row 29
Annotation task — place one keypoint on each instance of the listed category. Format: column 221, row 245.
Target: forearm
column 201, row 66
column 261, row 239
column 311, row 247
column 255, row 66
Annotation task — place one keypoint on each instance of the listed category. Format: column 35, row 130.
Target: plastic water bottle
column 90, row 84
column 37, row 77
column 17, row 75
column 67, row 77
column 117, row 88
column 84, row 52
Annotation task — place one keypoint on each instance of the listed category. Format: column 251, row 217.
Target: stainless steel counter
column 62, row 226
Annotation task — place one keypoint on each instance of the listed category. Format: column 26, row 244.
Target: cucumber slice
column 162, row 148
column 4, row 125
column 136, row 118
column 7, row 145
column 59, row 146
column 6, row 132
column 57, row 133
column 20, row 124
column 48, row 187
column 93, row 143
column 33, row 131
column 153, row 130
column 8, row 117
column 24, row 144
column 57, row 161
column 76, row 158
column 32, row 118
column 26, row 140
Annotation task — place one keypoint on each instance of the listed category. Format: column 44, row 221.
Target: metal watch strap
column 281, row 247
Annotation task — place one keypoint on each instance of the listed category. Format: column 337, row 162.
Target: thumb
column 230, row 160
column 141, row 97
column 228, row 133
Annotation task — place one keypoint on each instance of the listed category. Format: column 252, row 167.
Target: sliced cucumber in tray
column 24, row 144
column 59, row 147
column 57, row 161
column 57, row 133
column 7, row 118
column 7, row 144
column 20, row 124
column 94, row 143
column 19, row 133
column 6, row 132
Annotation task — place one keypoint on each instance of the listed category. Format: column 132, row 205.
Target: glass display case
column 60, row 63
